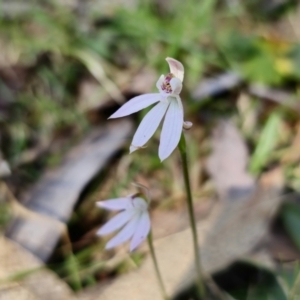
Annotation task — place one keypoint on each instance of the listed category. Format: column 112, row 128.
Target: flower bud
column 187, row 125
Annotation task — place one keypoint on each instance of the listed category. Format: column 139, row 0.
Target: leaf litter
column 252, row 206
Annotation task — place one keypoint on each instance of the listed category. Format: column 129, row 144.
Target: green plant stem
column 158, row 275
column 182, row 150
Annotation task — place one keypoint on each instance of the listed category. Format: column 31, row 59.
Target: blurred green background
column 64, row 65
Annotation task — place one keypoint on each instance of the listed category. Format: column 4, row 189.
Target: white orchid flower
column 133, row 219
column 169, row 105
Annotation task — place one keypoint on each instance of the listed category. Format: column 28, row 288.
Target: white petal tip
column 166, row 154
column 162, row 158
column 99, row 204
column 110, row 245
column 133, row 148
column 136, row 244
column 132, row 249
column 113, row 116
column 99, row 233
column 107, row 247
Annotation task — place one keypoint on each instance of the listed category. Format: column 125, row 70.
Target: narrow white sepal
column 124, row 235
column 133, row 148
column 149, row 125
column 116, row 222
column 136, row 104
column 115, row 204
column 142, row 231
column 172, row 128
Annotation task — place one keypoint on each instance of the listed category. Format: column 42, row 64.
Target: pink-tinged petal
column 176, row 85
column 172, row 128
column 124, row 235
column 116, row 222
column 149, row 125
column 176, row 67
column 116, row 204
column 136, row 104
column 142, row 231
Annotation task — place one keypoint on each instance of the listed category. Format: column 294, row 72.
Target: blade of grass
column 267, row 142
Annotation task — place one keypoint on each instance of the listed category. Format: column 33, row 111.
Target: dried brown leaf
column 228, row 161
column 38, row 283
column 57, row 192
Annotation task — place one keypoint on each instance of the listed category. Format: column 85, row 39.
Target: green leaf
column 290, row 215
column 249, row 280
column 262, row 69
column 268, row 289
column 266, row 143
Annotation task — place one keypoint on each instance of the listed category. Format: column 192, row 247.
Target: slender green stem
column 158, row 275
column 182, row 149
